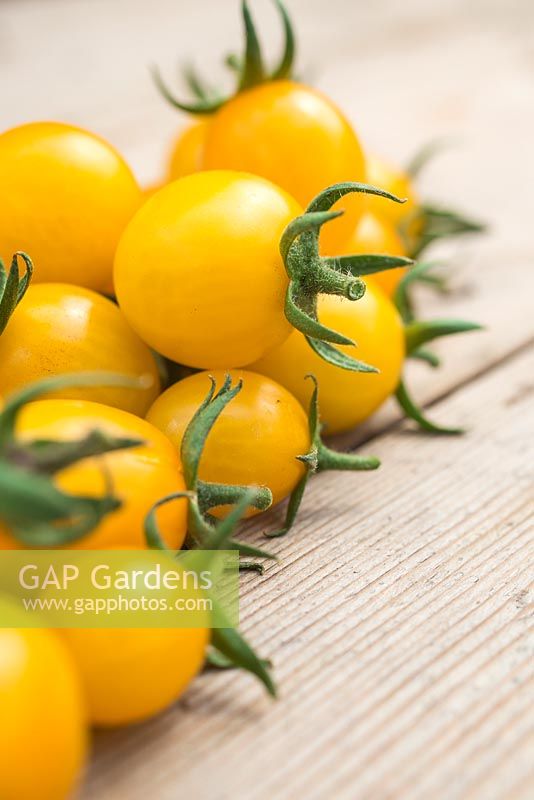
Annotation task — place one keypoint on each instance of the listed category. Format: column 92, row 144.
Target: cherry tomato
column 132, row 674
column 140, row 476
column 255, row 441
column 382, row 174
column 188, row 151
column 58, row 328
column 375, row 234
column 347, row 398
column 292, row 135
column 198, row 272
column 43, row 738
column 66, row 198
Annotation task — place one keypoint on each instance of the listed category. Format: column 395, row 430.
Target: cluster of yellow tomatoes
column 246, row 262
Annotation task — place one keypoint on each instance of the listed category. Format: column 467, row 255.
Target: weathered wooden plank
column 397, row 618
column 399, row 621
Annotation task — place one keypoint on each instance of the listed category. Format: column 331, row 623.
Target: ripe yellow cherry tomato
column 188, row 151
column 292, row 135
column 140, row 476
column 132, row 674
column 375, row 234
column 256, row 439
column 347, row 398
column 58, row 328
column 382, row 174
column 42, row 716
column 198, row 271
column 66, row 198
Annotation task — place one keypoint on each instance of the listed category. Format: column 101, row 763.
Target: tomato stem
column 249, row 69
column 228, row 642
column 319, row 458
column 311, row 274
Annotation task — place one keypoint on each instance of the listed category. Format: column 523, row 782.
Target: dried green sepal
column 228, row 643
column 311, row 274
column 249, row 70
column 36, row 512
column 414, row 412
column 435, row 223
column 419, row 273
column 420, row 332
column 319, row 458
column 425, row 155
column 13, row 286
column 15, row 402
column 417, row 334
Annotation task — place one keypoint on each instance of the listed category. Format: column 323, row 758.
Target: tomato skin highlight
column 346, row 398
column 187, row 155
column 255, row 441
column 140, row 476
column 58, row 328
column 198, row 272
column 66, row 198
column 131, row 674
column 295, row 137
column 43, row 738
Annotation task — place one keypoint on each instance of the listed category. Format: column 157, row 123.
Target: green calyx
column 36, row 512
column 229, row 647
column 249, row 70
column 437, row 223
column 203, row 497
column 311, row 274
column 432, row 222
column 418, row 333
column 320, row 458
column 13, row 287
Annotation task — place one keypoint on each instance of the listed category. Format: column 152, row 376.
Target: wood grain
column 399, row 617
column 400, row 625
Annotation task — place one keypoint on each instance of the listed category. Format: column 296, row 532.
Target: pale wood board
column 397, row 618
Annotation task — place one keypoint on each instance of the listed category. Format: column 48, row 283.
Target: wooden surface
column 398, row 618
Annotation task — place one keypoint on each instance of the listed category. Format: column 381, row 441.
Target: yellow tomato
column 66, row 198
column 292, row 135
column 140, row 476
column 58, row 328
column 132, row 674
column 42, row 717
column 375, row 234
column 188, row 151
column 382, row 174
column 347, row 398
column 198, row 271
column 256, row 439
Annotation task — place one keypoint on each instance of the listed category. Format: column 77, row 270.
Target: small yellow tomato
column 256, row 439
column 382, row 174
column 66, row 198
column 198, row 271
column 140, row 475
column 58, row 328
column 188, row 151
column 132, row 674
column 347, row 398
column 43, row 738
column 292, row 135
column 377, row 235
